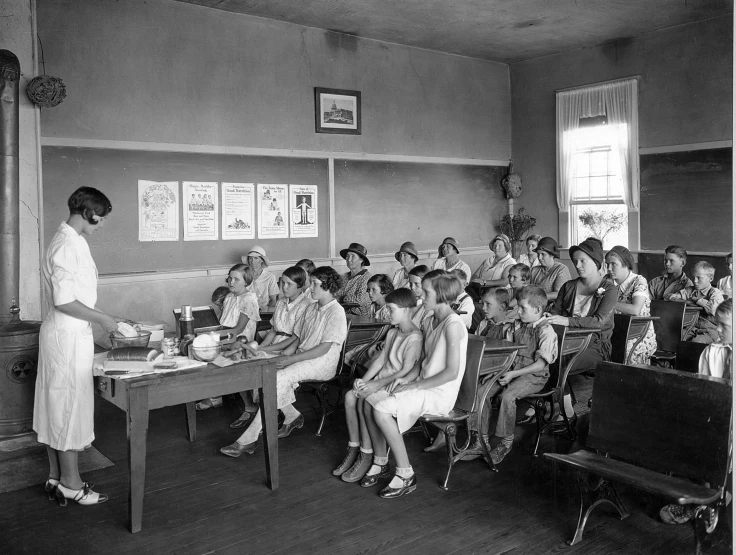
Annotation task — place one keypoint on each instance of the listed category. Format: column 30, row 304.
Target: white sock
column 251, row 434
column 569, row 411
column 396, row 481
column 290, row 414
column 353, row 444
column 366, row 451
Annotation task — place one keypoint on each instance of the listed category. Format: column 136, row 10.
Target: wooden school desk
column 690, row 319
column 136, row 396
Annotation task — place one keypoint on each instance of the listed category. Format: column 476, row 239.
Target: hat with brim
column 448, row 241
column 548, row 245
column 257, row 251
column 591, row 247
column 504, row 239
column 408, row 248
column 358, row 249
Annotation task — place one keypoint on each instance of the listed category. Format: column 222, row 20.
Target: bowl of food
column 141, row 339
column 205, row 348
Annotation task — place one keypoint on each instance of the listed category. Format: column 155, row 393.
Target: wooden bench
column 661, row 431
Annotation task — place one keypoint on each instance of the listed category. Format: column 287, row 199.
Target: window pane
column 582, row 164
column 582, row 188
column 598, row 187
column 607, row 222
column 599, row 163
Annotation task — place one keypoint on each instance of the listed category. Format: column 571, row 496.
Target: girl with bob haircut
column 63, row 411
column 402, row 349
column 430, row 387
column 311, row 353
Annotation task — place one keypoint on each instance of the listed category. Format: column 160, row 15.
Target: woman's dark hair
column 245, row 271
column 329, row 277
column 297, row 275
column 447, row 286
column 402, row 297
column 219, row 294
column 307, row 265
column 419, row 271
column 384, row 284
column 89, row 202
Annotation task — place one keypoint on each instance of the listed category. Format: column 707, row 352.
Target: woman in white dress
column 63, row 413
column 430, row 387
column 264, row 283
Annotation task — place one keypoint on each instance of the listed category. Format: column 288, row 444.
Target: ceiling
column 501, row 30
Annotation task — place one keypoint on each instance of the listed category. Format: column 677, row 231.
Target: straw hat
column 258, row 251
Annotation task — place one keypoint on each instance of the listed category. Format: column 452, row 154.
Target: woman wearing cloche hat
column 354, row 288
column 407, row 256
column 449, row 257
column 264, row 285
column 551, row 274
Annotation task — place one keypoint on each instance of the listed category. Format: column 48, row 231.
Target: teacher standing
column 63, row 413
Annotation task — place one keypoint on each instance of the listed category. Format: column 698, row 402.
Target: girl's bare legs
column 352, row 408
column 54, row 470
column 69, row 466
column 378, row 441
column 390, row 431
column 365, row 436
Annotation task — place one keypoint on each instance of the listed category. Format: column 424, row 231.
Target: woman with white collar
column 449, row 257
column 494, row 271
column 264, row 284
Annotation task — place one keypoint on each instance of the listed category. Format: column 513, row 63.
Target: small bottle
column 167, row 347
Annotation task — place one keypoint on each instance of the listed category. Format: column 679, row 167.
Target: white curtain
column 618, row 101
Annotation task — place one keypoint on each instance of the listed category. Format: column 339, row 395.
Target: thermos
column 186, row 323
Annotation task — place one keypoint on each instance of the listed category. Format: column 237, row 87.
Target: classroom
column 360, row 136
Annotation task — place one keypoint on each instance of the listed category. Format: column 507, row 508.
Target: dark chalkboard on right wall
column 686, row 199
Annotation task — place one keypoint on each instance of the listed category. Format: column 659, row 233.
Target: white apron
column 63, row 413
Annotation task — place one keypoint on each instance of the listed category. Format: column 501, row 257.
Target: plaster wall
column 685, row 97
column 16, row 35
column 167, row 72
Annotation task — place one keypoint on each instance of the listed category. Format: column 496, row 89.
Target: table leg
column 191, row 413
column 137, row 433
column 269, row 419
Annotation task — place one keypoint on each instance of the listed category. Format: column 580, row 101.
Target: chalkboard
column 686, row 199
column 116, row 248
column 381, row 205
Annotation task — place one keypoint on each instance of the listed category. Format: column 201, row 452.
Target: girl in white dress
column 63, row 412
column 402, row 349
column 430, row 388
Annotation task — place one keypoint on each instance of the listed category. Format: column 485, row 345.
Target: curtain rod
column 637, row 77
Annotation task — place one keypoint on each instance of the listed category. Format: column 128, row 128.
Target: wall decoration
column 200, row 210
column 273, row 209
column 337, row 111
column 158, row 210
column 303, row 220
column 238, row 211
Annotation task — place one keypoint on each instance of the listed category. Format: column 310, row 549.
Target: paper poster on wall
column 303, row 218
column 158, row 210
column 200, row 210
column 273, row 209
column 238, row 217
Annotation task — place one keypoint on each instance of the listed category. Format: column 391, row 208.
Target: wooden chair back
column 664, row 420
column 469, row 386
column 621, row 325
column 688, row 356
column 668, row 328
column 555, row 376
column 341, row 361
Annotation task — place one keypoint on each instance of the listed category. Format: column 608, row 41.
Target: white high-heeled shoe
column 83, row 496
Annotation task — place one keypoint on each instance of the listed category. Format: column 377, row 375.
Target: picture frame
column 337, row 111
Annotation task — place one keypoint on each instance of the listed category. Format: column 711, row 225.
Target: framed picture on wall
column 336, row 111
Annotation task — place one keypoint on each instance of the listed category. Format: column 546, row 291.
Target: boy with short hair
column 707, row 297
column 495, row 303
column 518, row 279
column 531, row 367
column 674, row 278
column 463, row 306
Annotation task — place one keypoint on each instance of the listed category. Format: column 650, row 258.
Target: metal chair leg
column 450, row 433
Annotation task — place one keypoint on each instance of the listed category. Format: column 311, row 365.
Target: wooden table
column 137, row 396
column 689, row 320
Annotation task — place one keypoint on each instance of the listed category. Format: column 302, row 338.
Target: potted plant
column 517, row 227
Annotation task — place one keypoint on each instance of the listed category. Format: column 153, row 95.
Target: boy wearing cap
column 407, row 256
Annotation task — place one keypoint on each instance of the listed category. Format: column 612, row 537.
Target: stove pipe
column 9, row 183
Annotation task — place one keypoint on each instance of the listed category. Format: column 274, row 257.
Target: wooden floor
column 198, row 501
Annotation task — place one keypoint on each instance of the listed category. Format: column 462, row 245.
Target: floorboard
column 198, row 501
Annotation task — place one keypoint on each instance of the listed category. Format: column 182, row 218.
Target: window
column 598, row 163
column 597, row 205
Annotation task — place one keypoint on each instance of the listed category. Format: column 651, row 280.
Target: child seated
column 239, row 313
column 402, row 350
column 717, row 361
column 674, row 279
column 416, row 275
column 518, row 279
column 725, row 284
column 290, row 309
column 430, row 387
column 463, row 306
column 218, row 298
column 531, row 367
column 495, row 303
column 707, row 297
column 379, row 286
